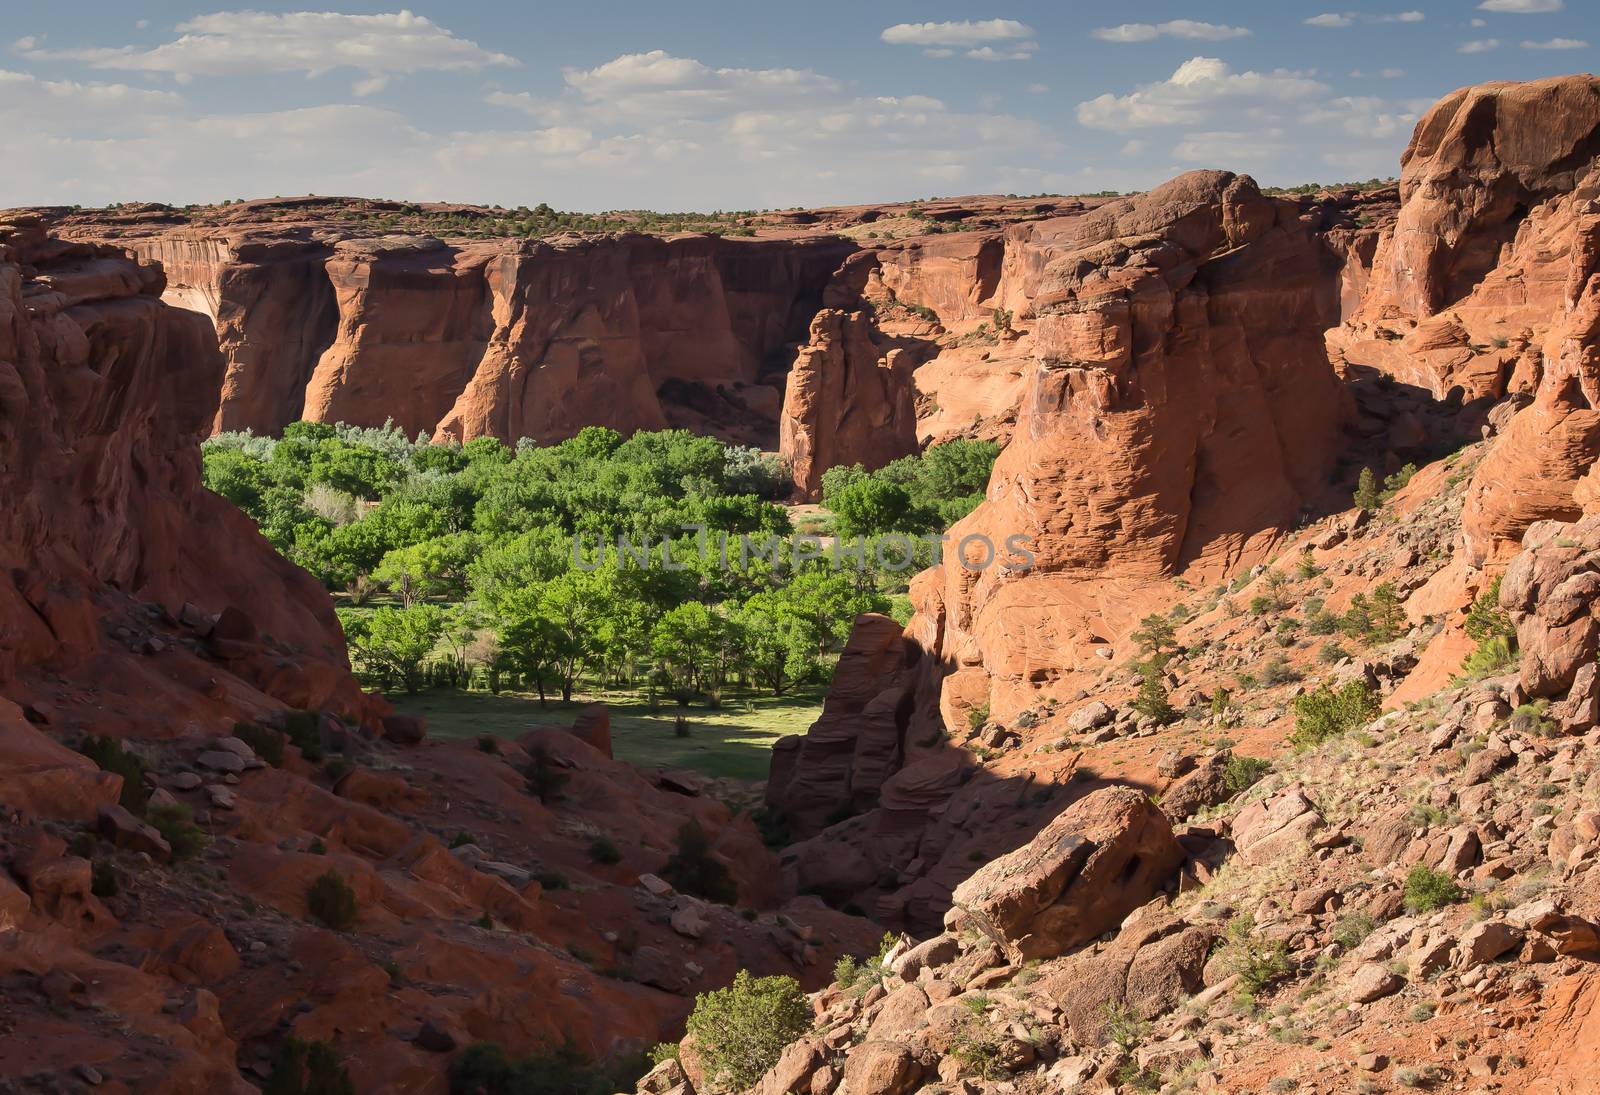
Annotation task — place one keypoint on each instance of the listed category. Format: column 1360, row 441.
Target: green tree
column 1326, row 712
column 739, row 1031
column 869, row 507
column 1155, row 634
column 392, row 643
column 1366, row 496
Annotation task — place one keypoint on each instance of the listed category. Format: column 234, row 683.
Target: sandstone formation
column 185, row 759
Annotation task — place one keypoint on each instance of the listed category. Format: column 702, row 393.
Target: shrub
column 1155, row 634
column 544, row 779
column 1257, row 961
column 1427, row 889
column 680, row 726
column 331, row 901
column 1151, row 701
column 305, row 731
column 1241, row 773
column 267, row 743
column 1327, row 712
column 1332, row 653
column 307, row 1068
column 1278, row 671
column 977, row 716
column 1306, row 568
column 1221, row 700
column 110, row 756
column 1366, row 496
column 1350, row 930
column 488, row 743
column 1125, row 1028
column 176, row 825
column 740, row 1030
column 604, row 850
column 694, row 870
column 483, row 1068
column 1493, row 655
column 103, row 880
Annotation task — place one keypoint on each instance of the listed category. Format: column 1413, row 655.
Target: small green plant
column 103, row 879
column 977, row 716
column 1394, row 484
column 1366, row 496
column 1124, row 1027
column 1327, row 712
column 1240, row 773
column 304, row 729
column 1151, row 701
column 109, row 755
column 1349, row 930
column 307, row 1068
column 1306, row 568
column 331, row 901
column 544, row 779
column 1221, row 701
column 694, row 870
column 604, row 850
column 1332, row 653
column 266, row 742
column 1427, row 889
column 1258, row 962
column 1492, row 656
column 739, row 1031
column 176, row 825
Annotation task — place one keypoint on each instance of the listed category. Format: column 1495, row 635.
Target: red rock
column 1100, row 859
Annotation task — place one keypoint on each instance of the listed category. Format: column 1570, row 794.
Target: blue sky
column 705, row 105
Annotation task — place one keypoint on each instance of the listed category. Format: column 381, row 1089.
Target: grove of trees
column 497, row 565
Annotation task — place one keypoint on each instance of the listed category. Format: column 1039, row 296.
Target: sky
column 705, row 105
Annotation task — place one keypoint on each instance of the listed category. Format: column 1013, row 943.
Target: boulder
column 124, row 830
column 1100, row 859
column 405, row 729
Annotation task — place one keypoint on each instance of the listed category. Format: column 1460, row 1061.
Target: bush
column 331, row 901
column 176, row 825
column 1278, row 671
column 305, row 731
column 307, row 1068
column 1241, row 773
column 1350, row 930
column 739, row 1031
column 544, row 779
column 1151, row 701
column 1327, row 712
column 103, row 879
column 1493, row 655
column 977, row 716
column 1257, row 961
column 483, row 1068
column 268, row 744
column 1366, row 496
column 1427, row 889
column 110, row 756
column 693, row 870
column 604, row 850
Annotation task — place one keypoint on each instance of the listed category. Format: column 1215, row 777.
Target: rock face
column 1099, row 860
column 503, row 337
column 105, row 393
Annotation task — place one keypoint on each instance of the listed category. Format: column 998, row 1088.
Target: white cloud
column 1479, row 23
column 1478, row 45
column 255, row 42
column 660, row 85
column 1521, row 7
column 1021, row 52
column 1133, row 148
column 963, row 33
column 1385, row 73
column 1191, row 92
column 1350, row 18
column 1557, row 43
column 27, row 102
column 1363, row 116
column 1230, row 148
column 1038, row 89
column 1176, row 28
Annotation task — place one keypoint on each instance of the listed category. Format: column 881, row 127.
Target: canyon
column 1084, row 892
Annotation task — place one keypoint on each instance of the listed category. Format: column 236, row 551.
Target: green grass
column 731, row 742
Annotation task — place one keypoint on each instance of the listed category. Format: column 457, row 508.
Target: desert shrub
column 1327, row 712
column 176, row 825
column 305, row 731
column 109, row 755
column 484, row 1068
column 331, row 901
column 307, row 1068
column 267, row 743
column 1427, row 889
column 1278, row 671
column 1306, row 567
column 1125, row 1028
column 604, row 850
column 1151, row 701
column 1492, row 656
column 977, row 716
column 694, row 870
column 1351, row 929
column 544, row 779
column 1331, row 653
column 1258, row 962
column 1241, row 773
column 740, row 1030
column 862, row 974
column 1367, row 496
column 1155, row 634
column 103, row 879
